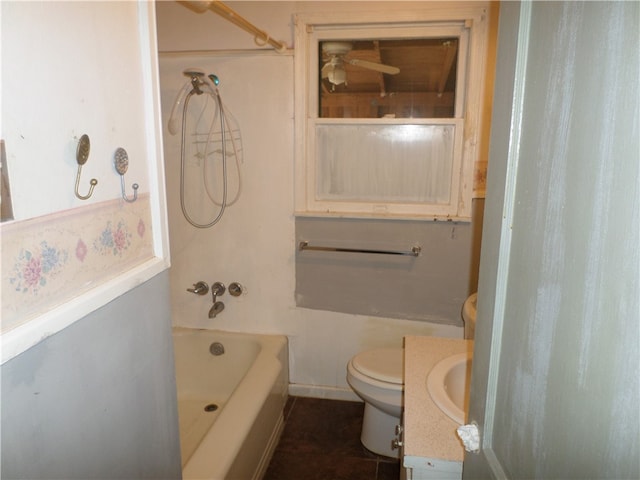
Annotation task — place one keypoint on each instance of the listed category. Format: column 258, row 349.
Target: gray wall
column 556, row 384
column 96, row 400
column 430, row 287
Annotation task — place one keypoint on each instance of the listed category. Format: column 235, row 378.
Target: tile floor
column 321, row 441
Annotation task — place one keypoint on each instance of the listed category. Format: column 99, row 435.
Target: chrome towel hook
column 82, row 155
column 121, row 162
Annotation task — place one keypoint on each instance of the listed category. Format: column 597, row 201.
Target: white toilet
column 376, row 376
column 469, row 316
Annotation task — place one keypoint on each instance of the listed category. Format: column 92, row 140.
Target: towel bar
column 414, row 252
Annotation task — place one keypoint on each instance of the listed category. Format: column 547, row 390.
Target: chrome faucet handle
column 200, row 288
column 217, row 289
column 235, row 289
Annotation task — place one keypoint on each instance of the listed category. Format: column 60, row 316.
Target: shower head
column 196, row 77
column 198, row 85
column 193, row 73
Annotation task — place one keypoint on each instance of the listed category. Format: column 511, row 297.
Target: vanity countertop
column 428, row 432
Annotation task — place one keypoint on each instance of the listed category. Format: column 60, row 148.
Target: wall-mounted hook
column 121, row 162
column 82, row 155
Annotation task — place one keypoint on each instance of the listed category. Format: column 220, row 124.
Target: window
column 403, row 78
column 387, row 114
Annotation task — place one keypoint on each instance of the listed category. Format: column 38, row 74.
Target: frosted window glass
column 384, row 163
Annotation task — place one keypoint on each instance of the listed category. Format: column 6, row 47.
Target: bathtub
column 229, row 405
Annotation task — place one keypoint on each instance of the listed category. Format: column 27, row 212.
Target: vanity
column 430, row 447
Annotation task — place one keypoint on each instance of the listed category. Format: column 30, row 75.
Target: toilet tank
column 469, row 316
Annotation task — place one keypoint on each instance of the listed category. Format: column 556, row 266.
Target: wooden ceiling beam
column 449, row 56
column 428, row 99
column 378, row 59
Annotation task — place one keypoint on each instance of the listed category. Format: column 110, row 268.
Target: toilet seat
column 382, row 364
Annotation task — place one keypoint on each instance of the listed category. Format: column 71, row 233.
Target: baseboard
column 323, row 391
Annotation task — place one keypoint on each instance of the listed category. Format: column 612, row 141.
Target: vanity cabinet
column 431, row 450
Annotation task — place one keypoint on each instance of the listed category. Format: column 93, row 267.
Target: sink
column 448, row 385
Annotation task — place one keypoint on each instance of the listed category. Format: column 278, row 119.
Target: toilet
column 469, row 316
column 376, row 377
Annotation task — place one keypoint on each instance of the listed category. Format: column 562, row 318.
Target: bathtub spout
column 216, row 309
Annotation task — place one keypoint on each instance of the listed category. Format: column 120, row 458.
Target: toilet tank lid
column 385, row 364
column 469, row 308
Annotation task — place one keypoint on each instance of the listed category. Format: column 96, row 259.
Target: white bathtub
column 248, row 384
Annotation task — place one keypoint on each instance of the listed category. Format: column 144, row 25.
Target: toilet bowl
column 376, row 377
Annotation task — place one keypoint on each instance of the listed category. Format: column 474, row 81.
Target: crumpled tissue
column 470, row 437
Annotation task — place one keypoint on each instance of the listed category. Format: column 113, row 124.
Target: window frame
column 313, row 28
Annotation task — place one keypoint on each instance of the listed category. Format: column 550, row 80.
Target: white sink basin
column 448, row 384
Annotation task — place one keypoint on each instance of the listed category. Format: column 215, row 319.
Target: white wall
column 95, row 398
column 68, row 69
column 254, row 243
column 49, row 101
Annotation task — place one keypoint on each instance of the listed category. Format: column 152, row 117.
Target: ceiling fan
column 334, row 70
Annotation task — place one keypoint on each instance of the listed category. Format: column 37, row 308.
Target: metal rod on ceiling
column 229, row 14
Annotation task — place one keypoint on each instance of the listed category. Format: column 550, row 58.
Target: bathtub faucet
column 217, row 289
column 216, row 309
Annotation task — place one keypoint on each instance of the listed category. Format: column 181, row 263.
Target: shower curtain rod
column 229, row 14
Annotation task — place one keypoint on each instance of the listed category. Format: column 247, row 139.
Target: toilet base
column 378, row 431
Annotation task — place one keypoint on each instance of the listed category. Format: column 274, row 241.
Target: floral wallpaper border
column 49, row 260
